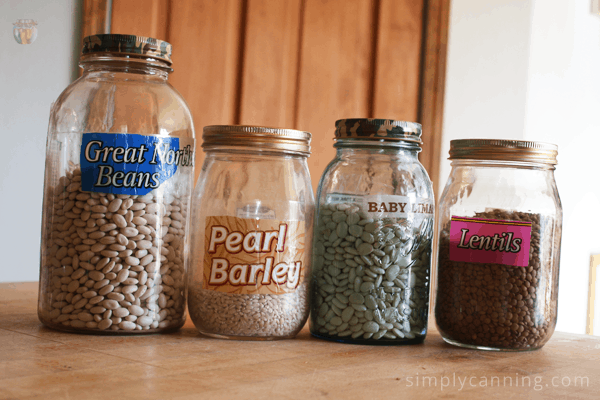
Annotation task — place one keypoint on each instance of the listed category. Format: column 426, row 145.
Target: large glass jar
column 499, row 231
column 252, row 218
column 373, row 232
column 119, row 174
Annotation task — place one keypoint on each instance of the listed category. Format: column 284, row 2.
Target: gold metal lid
column 503, row 150
column 258, row 137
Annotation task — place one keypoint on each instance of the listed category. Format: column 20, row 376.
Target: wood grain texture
column 594, row 263
column 436, row 19
column 335, row 72
column 302, row 63
column 96, row 17
column 270, row 65
column 38, row 363
column 96, row 20
column 205, row 35
column 398, row 62
column 141, row 17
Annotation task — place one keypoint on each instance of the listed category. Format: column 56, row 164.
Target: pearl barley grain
column 251, row 314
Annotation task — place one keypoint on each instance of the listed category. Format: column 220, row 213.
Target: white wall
column 31, row 78
column 563, row 107
column 486, row 77
column 530, row 69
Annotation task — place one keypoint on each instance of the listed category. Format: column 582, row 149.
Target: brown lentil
column 499, row 306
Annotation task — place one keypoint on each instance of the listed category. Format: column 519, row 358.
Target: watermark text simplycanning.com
column 457, row 381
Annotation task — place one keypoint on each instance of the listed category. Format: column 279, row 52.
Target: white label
column 386, row 205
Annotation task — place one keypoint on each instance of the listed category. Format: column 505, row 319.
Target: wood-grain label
column 253, row 256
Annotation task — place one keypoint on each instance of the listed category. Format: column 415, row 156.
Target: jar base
column 246, row 338
column 110, row 332
column 486, row 348
column 371, row 342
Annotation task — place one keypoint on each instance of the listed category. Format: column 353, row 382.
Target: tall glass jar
column 252, row 226
column 499, row 231
column 372, row 247
column 119, row 171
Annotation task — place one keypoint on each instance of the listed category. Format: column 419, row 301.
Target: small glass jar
column 119, row 174
column 252, row 218
column 373, row 237
column 499, row 231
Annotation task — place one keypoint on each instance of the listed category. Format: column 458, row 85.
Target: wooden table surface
column 39, row 363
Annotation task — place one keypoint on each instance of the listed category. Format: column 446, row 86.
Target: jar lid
column 503, row 150
column 259, row 137
column 377, row 129
column 129, row 45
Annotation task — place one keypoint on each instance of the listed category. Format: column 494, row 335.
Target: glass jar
column 372, row 247
column 252, row 225
column 119, row 174
column 499, row 231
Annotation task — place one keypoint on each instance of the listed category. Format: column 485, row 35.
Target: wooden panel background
column 302, row 64
column 96, row 17
column 335, row 71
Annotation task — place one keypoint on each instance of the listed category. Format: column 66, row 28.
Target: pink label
column 490, row 241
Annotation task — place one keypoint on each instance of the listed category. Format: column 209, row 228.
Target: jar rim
column 258, row 137
column 507, row 150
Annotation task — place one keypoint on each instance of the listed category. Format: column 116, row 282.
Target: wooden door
column 301, row 64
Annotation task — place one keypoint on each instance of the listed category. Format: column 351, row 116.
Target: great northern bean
column 112, row 262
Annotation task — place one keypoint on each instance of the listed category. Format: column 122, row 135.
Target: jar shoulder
column 229, row 182
column 514, row 189
column 378, row 175
column 151, row 107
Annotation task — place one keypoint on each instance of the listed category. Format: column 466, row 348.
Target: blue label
column 125, row 163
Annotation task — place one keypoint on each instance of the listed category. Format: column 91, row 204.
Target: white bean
column 107, row 266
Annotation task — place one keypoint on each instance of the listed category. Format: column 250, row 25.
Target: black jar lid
column 378, row 129
column 130, row 45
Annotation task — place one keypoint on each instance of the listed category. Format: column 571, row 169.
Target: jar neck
column 146, row 67
column 501, row 164
column 246, row 153
column 369, row 148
